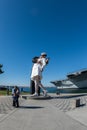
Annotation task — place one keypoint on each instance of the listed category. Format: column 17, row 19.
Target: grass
column 4, row 93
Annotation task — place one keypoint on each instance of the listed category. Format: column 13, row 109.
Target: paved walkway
column 45, row 115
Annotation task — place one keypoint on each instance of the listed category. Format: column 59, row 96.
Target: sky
column 30, row 27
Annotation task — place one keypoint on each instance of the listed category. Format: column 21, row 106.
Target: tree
column 1, row 71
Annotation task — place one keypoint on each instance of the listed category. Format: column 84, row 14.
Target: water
column 49, row 89
column 54, row 90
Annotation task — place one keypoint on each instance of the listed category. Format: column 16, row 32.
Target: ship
column 75, row 80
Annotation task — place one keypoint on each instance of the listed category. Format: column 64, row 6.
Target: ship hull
column 79, row 79
column 74, row 80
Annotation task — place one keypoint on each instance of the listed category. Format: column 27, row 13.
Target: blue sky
column 29, row 27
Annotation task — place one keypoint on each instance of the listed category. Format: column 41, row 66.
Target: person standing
column 15, row 95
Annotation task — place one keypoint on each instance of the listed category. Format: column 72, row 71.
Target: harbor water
column 55, row 90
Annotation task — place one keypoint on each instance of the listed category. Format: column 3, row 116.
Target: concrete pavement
column 44, row 115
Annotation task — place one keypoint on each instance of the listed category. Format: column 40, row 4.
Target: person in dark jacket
column 16, row 94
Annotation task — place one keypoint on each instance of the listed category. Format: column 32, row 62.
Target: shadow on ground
column 31, row 107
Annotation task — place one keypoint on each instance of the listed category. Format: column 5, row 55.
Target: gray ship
column 74, row 80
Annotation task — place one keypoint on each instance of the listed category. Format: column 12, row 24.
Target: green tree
column 1, row 71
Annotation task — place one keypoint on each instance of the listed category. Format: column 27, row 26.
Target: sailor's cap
column 43, row 54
